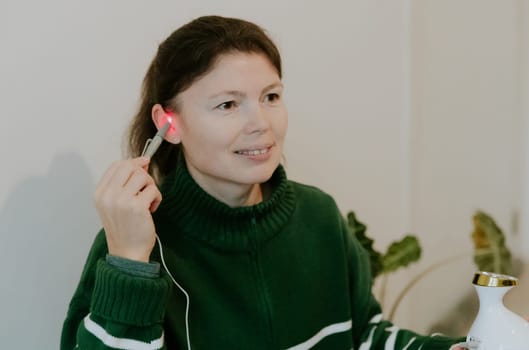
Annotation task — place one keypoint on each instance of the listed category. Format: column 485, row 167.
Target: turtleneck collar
column 187, row 209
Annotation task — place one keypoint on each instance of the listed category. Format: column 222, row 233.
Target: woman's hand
column 124, row 198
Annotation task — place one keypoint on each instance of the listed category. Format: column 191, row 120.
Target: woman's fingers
column 116, row 177
column 122, row 174
column 141, row 184
column 138, row 180
column 151, row 197
column 125, row 197
column 118, row 173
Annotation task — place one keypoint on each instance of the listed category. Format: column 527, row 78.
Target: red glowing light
column 168, row 118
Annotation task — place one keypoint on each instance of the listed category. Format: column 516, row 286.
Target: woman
column 252, row 259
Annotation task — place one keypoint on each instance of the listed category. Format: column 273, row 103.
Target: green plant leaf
column 401, row 254
column 359, row 230
column 490, row 252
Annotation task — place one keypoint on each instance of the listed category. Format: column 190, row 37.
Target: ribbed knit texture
column 127, row 299
column 199, row 215
column 275, row 275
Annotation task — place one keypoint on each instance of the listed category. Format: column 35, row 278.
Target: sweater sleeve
column 370, row 330
column 133, row 267
column 112, row 309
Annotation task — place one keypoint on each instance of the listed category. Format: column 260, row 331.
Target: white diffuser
column 495, row 326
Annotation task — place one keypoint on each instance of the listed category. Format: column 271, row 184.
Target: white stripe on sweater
column 392, row 339
column 367, row 344
column 120, row 343
column 376, row 319
column 324, row 332
column 409, row 344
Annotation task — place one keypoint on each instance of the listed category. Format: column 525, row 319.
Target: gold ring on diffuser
column 490, row 279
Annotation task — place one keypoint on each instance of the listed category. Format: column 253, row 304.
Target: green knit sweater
column 283, row 274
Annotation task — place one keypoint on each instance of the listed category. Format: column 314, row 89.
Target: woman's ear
column 160, row 117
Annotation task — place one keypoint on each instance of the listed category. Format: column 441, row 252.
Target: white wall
column 467, row 118
column 347, row 96
column 70, row 78
column 524, row 12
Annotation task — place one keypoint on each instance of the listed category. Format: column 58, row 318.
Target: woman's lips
column 256, row 153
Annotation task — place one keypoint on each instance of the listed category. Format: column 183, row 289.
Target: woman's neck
column 232, row 194
column 237, row 195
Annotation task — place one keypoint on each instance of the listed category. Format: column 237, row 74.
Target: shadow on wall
column 47, row 226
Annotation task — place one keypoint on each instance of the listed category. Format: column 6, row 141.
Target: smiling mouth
column 254, row 152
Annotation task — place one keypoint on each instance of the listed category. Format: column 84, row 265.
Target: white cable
column 179, row 287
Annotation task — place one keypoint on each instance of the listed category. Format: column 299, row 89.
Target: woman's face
column 233, row 123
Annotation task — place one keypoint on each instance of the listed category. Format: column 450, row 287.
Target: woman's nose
column 257, row 120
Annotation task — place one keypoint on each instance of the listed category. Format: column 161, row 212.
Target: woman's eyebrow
column 273, row 86
column 242, row 94
column 227, row 92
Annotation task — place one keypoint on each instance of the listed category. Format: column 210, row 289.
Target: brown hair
column 187, row 54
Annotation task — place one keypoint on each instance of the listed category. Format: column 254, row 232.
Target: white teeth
column 255, row 152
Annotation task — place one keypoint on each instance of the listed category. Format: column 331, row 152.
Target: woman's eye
column 273, row 97
column 227, row 105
